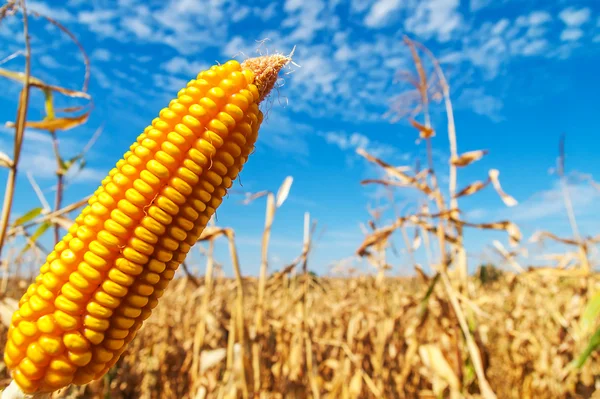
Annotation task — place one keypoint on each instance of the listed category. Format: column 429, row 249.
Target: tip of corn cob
column 266, row 69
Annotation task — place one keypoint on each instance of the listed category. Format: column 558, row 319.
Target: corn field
column 501, row 332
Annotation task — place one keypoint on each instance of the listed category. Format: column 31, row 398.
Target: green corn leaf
column 32, row 214
column 590, row 348
column 591, row 312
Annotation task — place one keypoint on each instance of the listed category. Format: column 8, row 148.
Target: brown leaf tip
column 266, row 70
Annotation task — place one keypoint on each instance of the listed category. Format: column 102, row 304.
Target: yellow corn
column 104, row 278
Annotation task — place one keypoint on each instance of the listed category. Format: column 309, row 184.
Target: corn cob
column 107, row 274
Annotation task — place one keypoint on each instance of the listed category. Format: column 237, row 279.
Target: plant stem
column 19, row 134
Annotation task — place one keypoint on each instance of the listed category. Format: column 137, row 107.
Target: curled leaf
column 64, row 123
column 507, row 199
column 212, row 232
column 472, row 188
column 284, row 190
column 467, row 158
column 20, row 77
column 5, row 161
column 424, row 131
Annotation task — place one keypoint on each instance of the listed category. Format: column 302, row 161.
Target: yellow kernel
column 107, row 300
column 95, row 323
column 114, row 344
column 156, row 266
column 134, row 256
column 76, row 245
column 80, row 282
column 38, row 304
column 95, row 337
column 144, row 234
column 121, row 278
column 108, row 239
column 51, row 345
column 143, row 188
column 134, row 197
column 66, row 321
column 100, row 250
column 30, row 369
column 128, row 267
column 46, row 324
column 157, row 169
column 159, row 214
column 37, row 355
column 141, row 246
column 122, row 219
column 62, row 365
column 98, row 310
column 129, row 311
column 248, row 75
column 75, row 342
column 80, row 359
column 174, row 195
column 59, row 268
column 28, row 328
column 138, row 301
column 115, row 228
column 116, row 333
column 167, row 205
column 18, row 338
column 129, row 209
column 55, row 379
column 114, row 289
column 102, row 355
column 122, row 322
column 66, row 305
column 92, row 275
column 152, row 225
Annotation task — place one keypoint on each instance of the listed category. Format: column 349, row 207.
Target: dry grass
column 290, row 334
column 360, row 346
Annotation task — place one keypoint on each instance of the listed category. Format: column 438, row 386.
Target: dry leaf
column 507, row 199
column 472, row 188
column 5, row 160
column 467, row 158
column 284, row 190
column 424, row 131
column 432, row 357
column 394, row 172
column 54, row 124
column 20, row 77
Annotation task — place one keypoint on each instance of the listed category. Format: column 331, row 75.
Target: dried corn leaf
column 5, row 161
column 539, row 236
column 507, row 199
column 378, row 237
column 425, row 132
column 284, row 191
column 433, row 358
column 212, row 232
column 472, row 188
column 251, row 197
column 394, row 172
column 467, row 158
column 54, row 124
column 356, row 384
column 20, row 77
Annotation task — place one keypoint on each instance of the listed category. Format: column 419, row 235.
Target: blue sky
column 521, row 73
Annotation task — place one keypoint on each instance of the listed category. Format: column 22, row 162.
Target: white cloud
column 181, row 66
column 136, row 26
column 351, row 142
column 550, row 203
column 49, row 62
column 476, row 5
column 380, row 12
column 59, row 14
column 575, row 17
column 435, row 18
column 571, row 34
column 101, row 54
column 481, row 103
